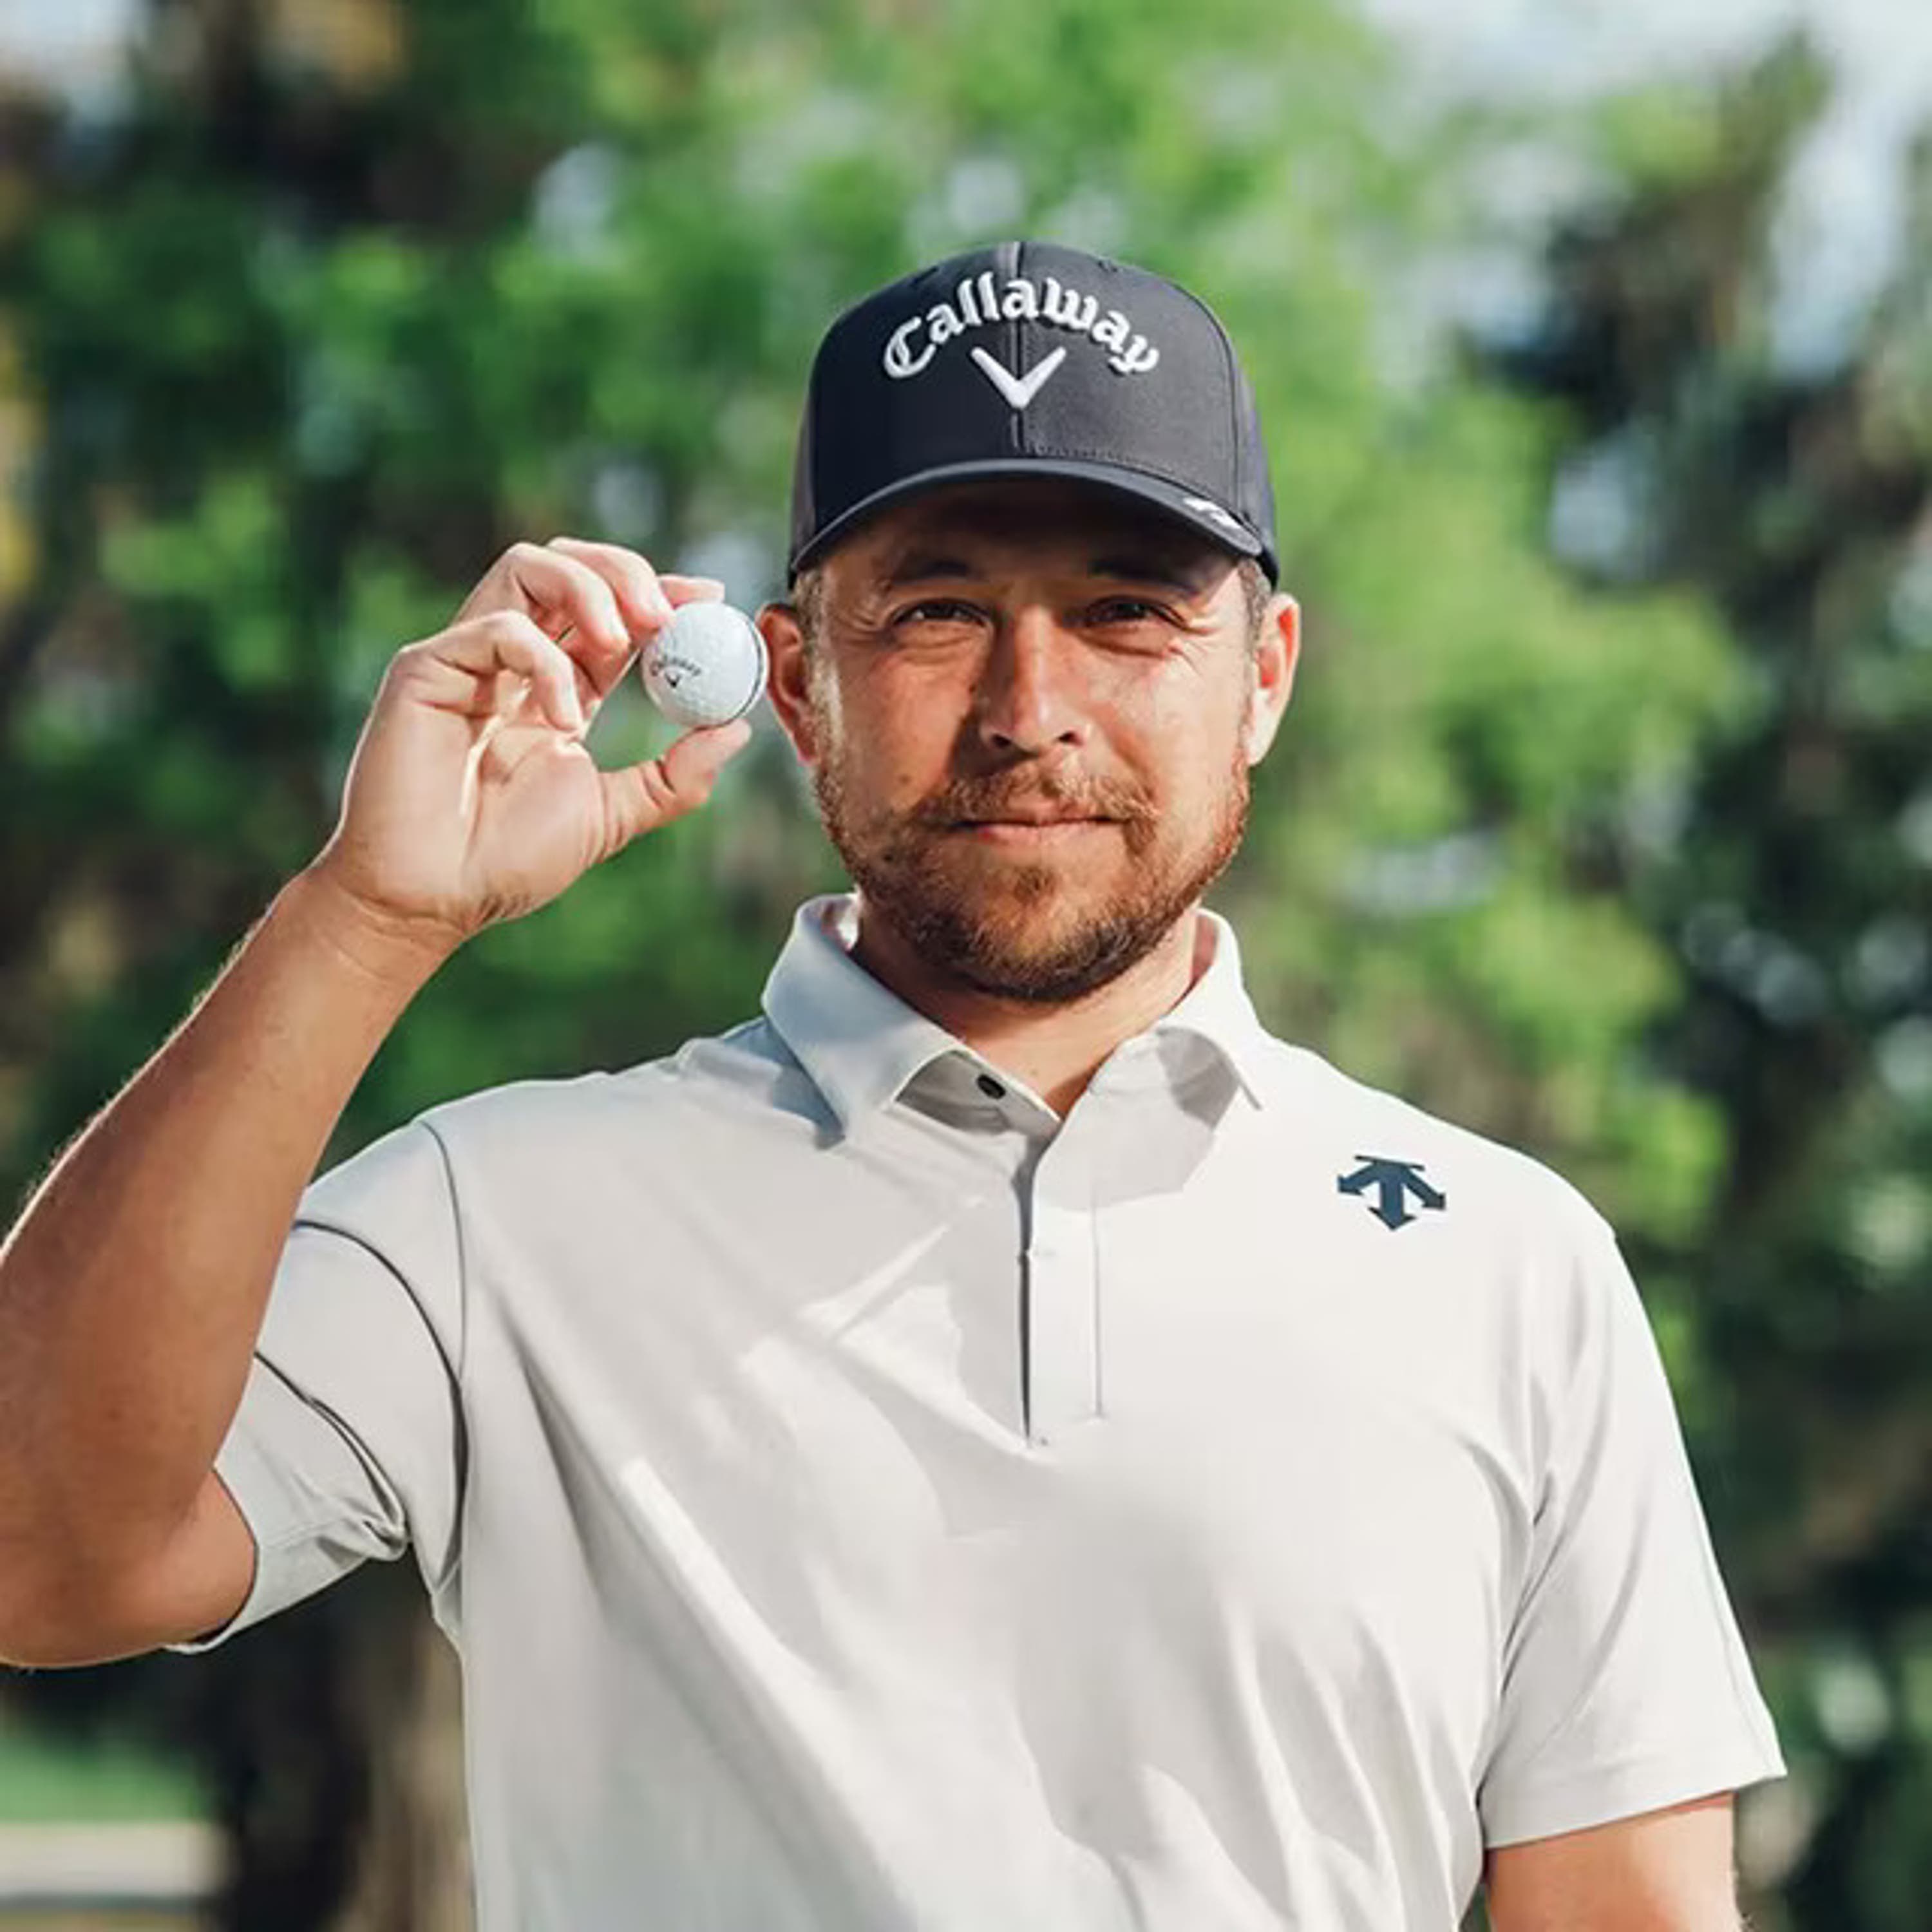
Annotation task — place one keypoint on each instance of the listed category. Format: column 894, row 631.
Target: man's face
column 1029, row 716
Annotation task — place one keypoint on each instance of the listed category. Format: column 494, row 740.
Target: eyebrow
column 924, row 566
column 1142, row 570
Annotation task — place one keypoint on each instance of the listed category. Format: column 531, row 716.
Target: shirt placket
column 1060, row 1293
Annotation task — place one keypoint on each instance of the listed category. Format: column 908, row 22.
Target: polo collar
column 1217, row 1008
column 862, row 1044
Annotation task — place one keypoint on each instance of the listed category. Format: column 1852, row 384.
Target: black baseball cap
column 1027, row 358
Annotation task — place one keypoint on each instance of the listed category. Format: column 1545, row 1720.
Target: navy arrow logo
column 1394, row 1181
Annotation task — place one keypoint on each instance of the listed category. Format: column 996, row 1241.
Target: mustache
column 997, row 796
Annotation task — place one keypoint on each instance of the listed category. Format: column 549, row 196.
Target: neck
column 1053, row 1049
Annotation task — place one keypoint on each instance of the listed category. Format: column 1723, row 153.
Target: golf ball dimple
column 707, row 666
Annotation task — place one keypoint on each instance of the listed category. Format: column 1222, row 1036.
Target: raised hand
column 472, row 797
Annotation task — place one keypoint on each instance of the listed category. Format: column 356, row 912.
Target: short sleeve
column 349, row 1441
column 1626, row 1686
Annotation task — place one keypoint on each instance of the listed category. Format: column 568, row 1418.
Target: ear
column 1276, row 657
column 788, row 684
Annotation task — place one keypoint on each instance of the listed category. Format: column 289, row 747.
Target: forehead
column 1046, row 522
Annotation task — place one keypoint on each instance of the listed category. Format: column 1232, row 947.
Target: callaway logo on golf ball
column 707, row 666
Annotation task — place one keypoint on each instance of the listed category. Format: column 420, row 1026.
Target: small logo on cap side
column 1018, row 390
column 1207, row 507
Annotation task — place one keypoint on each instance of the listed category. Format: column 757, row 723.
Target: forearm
column 132, row 1289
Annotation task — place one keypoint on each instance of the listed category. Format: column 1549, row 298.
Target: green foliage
column 1791, row 904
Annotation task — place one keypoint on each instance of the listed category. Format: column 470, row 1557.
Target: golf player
column 998, row 1441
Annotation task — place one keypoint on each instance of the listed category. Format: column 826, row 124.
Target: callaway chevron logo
column 980, row 300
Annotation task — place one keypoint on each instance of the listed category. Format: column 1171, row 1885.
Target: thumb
column 640, row 798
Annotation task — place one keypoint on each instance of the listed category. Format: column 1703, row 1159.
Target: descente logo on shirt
column 980, row 300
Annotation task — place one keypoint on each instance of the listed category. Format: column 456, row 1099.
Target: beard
column 1043, row 934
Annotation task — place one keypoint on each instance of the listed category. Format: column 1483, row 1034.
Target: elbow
column 30, row 1637
column 57, row 1617
column 56, row 1637
column 41, row 1628
column 63, row 1606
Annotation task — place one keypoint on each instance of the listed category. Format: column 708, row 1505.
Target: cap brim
column 1177, row 500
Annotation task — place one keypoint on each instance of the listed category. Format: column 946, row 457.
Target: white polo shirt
column 864, row 1501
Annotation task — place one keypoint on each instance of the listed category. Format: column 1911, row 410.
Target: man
column 999, row 1440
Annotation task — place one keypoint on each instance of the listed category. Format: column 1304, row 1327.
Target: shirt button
column 991, row 1087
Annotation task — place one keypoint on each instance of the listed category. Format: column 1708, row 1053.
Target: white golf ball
column 707, row 666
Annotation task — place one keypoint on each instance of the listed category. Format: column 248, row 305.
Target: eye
column 937, row 610
column 1135, row 614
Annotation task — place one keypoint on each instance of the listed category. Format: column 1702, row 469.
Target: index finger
column 569, row 601
column 691, row 589
column 644, row 597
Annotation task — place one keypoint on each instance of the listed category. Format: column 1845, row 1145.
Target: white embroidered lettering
column 900, row 360
column 1069, row 308
column 979, row 301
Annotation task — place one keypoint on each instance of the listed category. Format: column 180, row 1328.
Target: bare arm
column 133, row 1288
column 1661, row 1871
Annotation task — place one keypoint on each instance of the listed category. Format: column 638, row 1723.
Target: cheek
column 1182, row 714
column 1191, row 767
column 891, row 737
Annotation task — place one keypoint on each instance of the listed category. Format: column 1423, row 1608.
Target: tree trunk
column 411, row 1861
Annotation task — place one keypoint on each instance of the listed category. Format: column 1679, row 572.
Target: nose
column 1029, row 698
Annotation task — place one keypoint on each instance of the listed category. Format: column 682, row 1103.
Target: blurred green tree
column 1793, row 895
column 335, row 301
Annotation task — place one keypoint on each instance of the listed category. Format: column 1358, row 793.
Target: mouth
column 1025, row 831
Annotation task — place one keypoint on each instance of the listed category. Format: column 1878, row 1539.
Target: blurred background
column 1593, row 344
